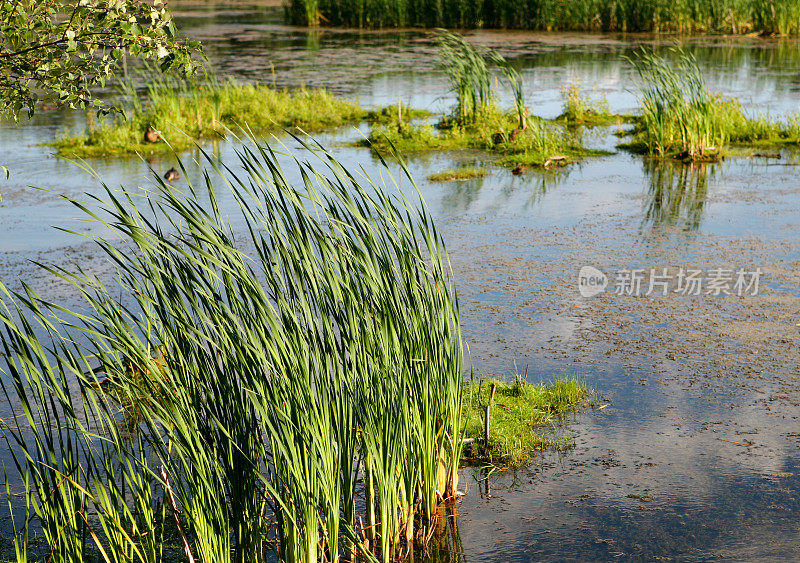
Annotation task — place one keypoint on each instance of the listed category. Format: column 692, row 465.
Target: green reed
column 686, row 16
column 476, row 121
column 467, row 70
column 515, row 83
column 678, row 114
column 257, row 379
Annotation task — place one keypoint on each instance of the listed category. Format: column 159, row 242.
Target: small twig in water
column 488, row 413
column 732, row 442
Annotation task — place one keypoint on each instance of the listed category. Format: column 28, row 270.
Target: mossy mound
column 517, row 409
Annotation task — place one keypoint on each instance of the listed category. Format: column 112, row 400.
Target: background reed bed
column 686, row 16
column 296, row 389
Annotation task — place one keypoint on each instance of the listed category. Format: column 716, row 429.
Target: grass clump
column 476, row 122
column 517, row 409
column 458, row 174
column 761, row 131
column 183, row 111
column 582, row 110
column 493, row 130
column 467, row 70
column 680, row 118
column 395, row 113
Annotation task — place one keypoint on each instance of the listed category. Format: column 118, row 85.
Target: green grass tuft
column 679, row 115
column 492, row 130
column 184, row 112
column 467, row 70
column 518, row 408
column 581, row 109
column 458, row 174
column 395, row 113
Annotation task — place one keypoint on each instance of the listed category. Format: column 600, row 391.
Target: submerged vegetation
column 715, row 16
column 181, row 111
column 681, row 118
column 515, row 409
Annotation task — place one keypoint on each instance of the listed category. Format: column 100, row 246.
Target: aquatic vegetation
column 309, row 357
column 686, row 16
column 681, row 118
column 679, row 115
column 585, row 110
column 476, row 122
column 516, row 409
column 458, row 174
column 467, row 70
column 761, row 130
column 181, row 112
column 514, row 79
column 492, row 130
column 398, row 113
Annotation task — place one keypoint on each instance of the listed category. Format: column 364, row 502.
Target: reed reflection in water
column 676, row 195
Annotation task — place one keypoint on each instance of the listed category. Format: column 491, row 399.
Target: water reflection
column 499, row 191
column 461, row 195
column 446, row 545
column 676, row 195
column 539, row 184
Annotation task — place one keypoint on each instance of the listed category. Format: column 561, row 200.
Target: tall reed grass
column 292, row 387
column 716, row 16
column 679, row 114
column 467, row 70
column 681, row 118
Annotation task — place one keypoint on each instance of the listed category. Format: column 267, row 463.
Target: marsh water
column 690, row 447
